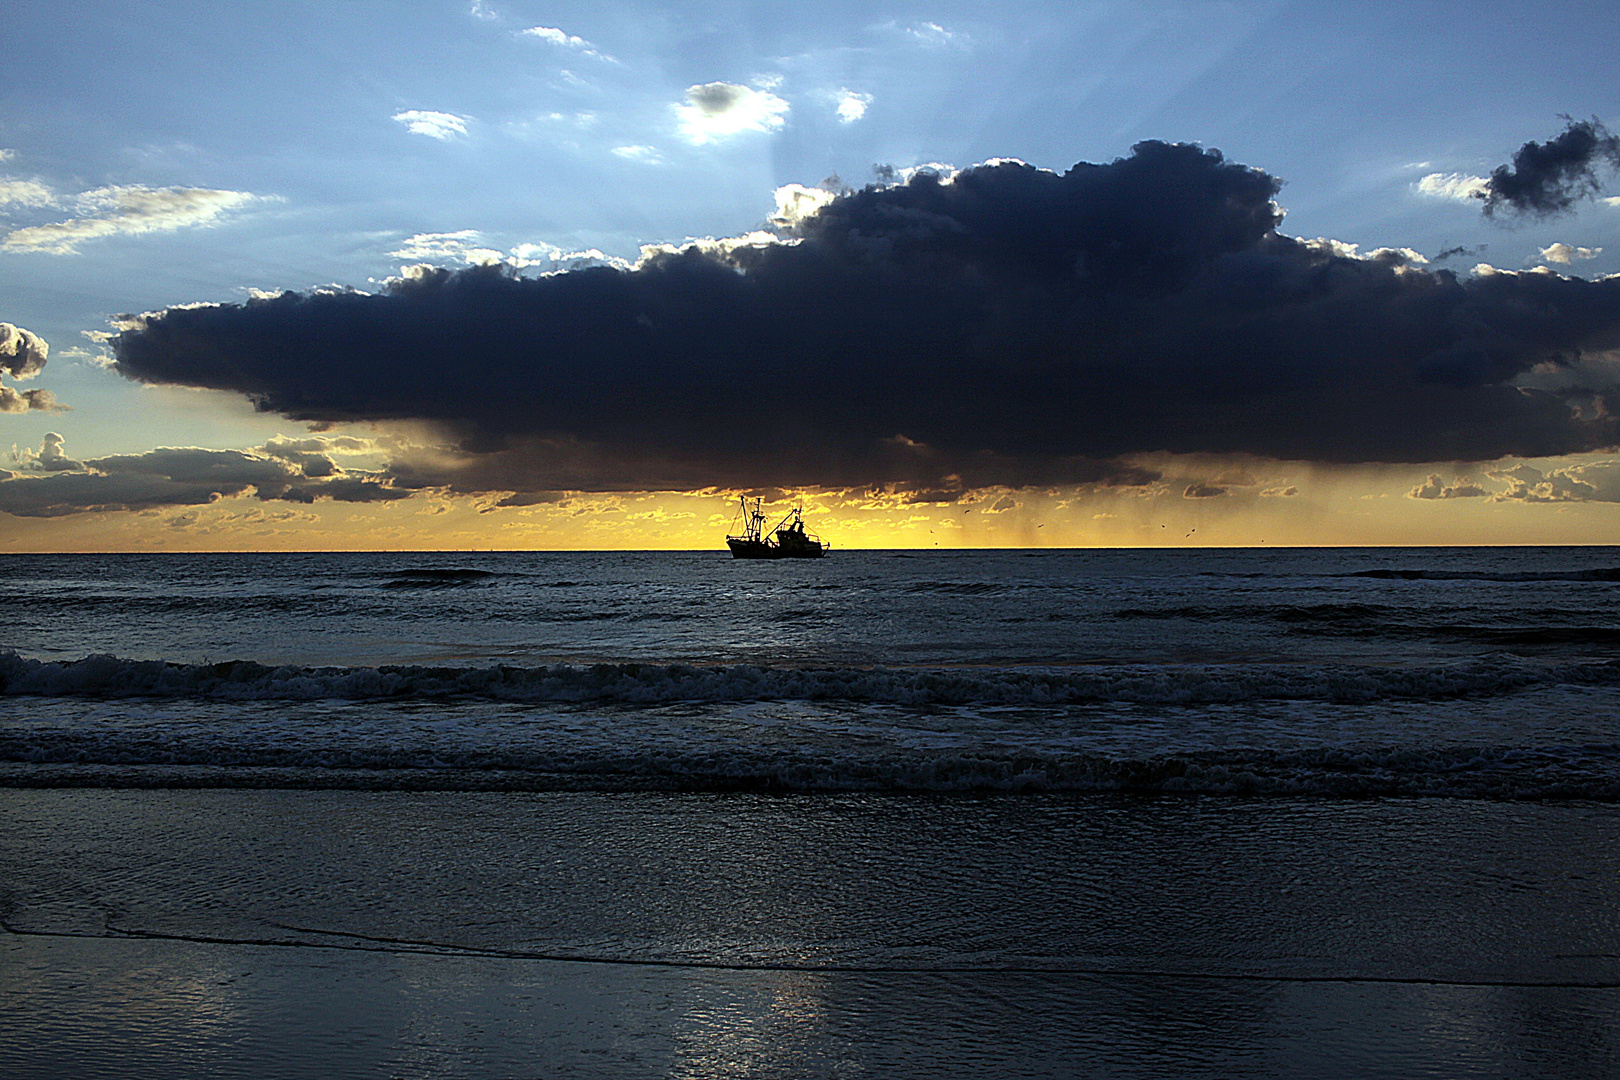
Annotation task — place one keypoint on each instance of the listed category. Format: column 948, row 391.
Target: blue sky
column 160, row 154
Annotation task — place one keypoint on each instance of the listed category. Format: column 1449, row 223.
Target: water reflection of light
column 762, row 1023
column 113, row 992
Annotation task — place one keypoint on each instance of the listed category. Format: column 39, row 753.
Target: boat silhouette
column 787, row 541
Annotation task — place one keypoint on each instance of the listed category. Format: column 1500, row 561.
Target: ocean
column 1305, row 812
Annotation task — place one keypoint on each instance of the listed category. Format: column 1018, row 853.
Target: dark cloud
column 16, row 401
column 1454, row 252
column 1202, row 491
column 1010, row 326
column 1435, row 487
column 1550, row 177
column 169, row 476
column 22, row 356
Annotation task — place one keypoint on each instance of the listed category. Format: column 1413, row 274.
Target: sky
column 509, row 274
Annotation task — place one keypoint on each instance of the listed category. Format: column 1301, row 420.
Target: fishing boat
column 787, row 541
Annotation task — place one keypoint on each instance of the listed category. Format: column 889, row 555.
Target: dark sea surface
column 1123, row 813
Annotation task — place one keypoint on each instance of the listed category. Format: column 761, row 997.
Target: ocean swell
column 1185, row 684
column 1495, row 773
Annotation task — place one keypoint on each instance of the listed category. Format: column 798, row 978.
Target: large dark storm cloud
column 1010, row 326
column 1549, row 177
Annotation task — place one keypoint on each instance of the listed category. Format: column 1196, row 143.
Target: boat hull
column 759, row 549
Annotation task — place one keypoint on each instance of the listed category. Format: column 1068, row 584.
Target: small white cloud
column 562, row 39
column 722, row 248
column 795, row 203
column 25, row 193
column 852, row 105
column 1326, row 245
column 1612, row 200
column 945, row 173
column 130, row 210
column 1459, row 186
column 7, row 155
column 481, row 10
column 716, row 110
column 1563, row 254
column 432, row 250
column 556, row 36
column 934, row 35
column 435, row 125
column 1397, row 256
column 460, row 246
column 647, row 155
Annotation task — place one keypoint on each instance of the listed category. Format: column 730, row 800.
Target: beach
column 218, row 932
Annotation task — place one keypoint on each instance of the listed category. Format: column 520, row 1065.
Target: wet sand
column 308, row 934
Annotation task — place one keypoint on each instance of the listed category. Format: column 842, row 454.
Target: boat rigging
column 788, row 540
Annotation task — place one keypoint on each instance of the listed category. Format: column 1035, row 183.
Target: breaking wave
column 632, row 683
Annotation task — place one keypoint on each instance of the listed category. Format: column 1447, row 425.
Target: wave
column 635, row 683
column 1595, row 574
column 433, row 577
column 47, row 759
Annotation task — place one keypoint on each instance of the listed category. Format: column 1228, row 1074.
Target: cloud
column 481, row 10
column 1012, row 327
column 1564, row 254
column 50, row 457
column 170, row 476
column 935, row 35
column 315, row 457
column 435, row 125
column 1435, row 487
column 1202, row 491
column 1459, row 186
column 1548, row 178
column 128, row 210
column 565, row 40
column 1279, row 492
column 795, row 203
column 465, row 246
column 22, row 354
column 17, row 401
column 851, row 105
column 717, row 110
column 25, row 193
column 461, row 247
column 1596, row 481
column 647, row 155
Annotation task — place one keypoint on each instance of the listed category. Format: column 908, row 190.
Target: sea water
column 1136, row 813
